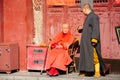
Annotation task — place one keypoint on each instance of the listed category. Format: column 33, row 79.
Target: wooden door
column 56, row 16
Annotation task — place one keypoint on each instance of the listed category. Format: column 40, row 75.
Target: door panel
column 4, row 58
column 56, row 16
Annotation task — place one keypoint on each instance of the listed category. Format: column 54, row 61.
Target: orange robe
column 59, row 58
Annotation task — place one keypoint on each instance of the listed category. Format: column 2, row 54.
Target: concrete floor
column 20, row 75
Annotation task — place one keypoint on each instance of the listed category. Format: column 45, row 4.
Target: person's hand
column 94, row 44
column 53, row 45
column 59, row 46
column 80, row 30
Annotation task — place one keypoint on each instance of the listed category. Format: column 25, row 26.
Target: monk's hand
column 59, row 46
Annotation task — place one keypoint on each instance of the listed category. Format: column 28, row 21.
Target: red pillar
column 1, row 20
column 18, row 25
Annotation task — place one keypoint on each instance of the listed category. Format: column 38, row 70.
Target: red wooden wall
column 17, row 21
column 16, row 24
column 109, row 18
column 1, row 20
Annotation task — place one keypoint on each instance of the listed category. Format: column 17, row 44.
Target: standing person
column 58, row 57
column 90, row 48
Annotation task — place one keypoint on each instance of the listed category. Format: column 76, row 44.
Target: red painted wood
column 60, row 2
column 36, row 57
column 1, row 20
column 56, row 16
column 9, row 57
column 18, row 25
column 109, row 18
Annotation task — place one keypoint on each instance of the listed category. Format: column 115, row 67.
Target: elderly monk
column 58, row 57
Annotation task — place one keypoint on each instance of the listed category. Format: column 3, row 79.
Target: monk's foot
column 49, row 74
column 56, row 73
column 97, row 74
column 82, row 75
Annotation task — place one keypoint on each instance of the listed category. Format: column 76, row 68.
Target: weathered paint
column 1, row 20
column 109, row 14
column 18, row 25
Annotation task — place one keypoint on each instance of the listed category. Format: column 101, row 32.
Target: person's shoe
column 56, row 73
column 97, row 74
column 82, row 75
column 51, row 72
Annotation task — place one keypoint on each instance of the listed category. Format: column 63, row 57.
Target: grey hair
column 87, row 5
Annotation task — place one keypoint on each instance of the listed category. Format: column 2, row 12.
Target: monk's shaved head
column 65, row 28
column 65, row 25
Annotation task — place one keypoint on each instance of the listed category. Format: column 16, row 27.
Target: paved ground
column 36, row 76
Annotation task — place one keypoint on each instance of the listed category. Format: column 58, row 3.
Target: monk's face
column 65, row 28
column 84, row 10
